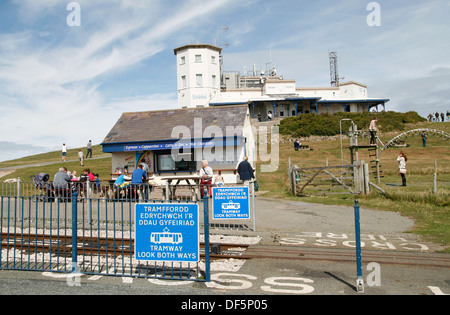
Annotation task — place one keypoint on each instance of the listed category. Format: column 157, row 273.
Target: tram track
column 338, row 254
column 97, row 245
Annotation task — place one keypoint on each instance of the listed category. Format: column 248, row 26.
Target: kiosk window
column 183, row 161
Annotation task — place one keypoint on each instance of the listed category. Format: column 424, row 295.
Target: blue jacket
column 245, row 170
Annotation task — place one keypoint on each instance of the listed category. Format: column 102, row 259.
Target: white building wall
column 198, row 75
column 330, row 93
column 353, row 90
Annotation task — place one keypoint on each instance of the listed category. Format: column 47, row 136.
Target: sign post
column 359, row 280
column 167, row 232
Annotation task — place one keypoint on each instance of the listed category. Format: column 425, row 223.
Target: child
column 218, row 181
column 80, row 157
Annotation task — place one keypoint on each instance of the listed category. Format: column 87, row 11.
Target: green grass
column 430, row 212
column 97, row 166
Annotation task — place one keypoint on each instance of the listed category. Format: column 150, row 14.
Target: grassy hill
column 51, row 162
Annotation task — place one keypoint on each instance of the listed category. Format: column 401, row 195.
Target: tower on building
column 198, row 74
column 334, row 71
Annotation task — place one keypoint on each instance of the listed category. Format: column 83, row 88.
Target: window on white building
column 213, row 81
column 213, row 60
column 199, row 80
column 183, row 82
column 198, row 58
column 183, row 60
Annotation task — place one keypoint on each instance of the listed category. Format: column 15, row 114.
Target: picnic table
column 192, row 181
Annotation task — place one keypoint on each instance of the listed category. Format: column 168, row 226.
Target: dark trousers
column 403, row 179
column 373, row 134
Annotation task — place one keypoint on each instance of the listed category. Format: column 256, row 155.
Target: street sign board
column 231, row 203
column 167, row 232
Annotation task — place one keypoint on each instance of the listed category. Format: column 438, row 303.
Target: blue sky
column 70, row 84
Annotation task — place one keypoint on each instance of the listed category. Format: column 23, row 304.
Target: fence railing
column 37, row 228
column 38, row 235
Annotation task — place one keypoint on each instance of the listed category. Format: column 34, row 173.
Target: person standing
column 245, row 171
column 80, row 157
column 137, row 181
column 424, row 139
column 206, row 175
column 63, row 152
column 89, row 149
column 402, row 166
column 373, row 131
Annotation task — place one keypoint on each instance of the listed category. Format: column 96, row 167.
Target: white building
column 201, row 84
column 198, row 75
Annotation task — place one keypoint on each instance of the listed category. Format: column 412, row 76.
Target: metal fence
column 105, row 194
column 39, row 233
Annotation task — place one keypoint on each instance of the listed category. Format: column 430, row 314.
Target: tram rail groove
column 339, row 254
column 100, row 245
column 96, row 245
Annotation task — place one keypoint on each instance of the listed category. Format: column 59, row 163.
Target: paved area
column 285, row 224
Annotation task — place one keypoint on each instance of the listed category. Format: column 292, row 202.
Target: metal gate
column 92, row 236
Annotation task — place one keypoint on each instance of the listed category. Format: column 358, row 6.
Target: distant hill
column 306, row 125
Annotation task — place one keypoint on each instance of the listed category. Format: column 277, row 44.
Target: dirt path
column 6, row 173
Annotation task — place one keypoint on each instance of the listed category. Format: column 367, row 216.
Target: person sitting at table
column 296, row 145
column 137, row 181
column 73, row 176
column 121, row 182
column 218, row 181
column 87, row 175
column 122, row 178
column 61, row 184
column 206, row 175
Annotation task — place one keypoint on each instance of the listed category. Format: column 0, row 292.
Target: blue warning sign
column 231, row 203
column 167, row 232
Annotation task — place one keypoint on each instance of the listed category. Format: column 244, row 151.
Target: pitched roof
column 158, row 125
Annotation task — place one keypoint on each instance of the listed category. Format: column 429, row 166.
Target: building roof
column 197, row 46
column 158, row 125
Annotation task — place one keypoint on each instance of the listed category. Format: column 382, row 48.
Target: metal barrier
column 96, row 193
column 70, row 231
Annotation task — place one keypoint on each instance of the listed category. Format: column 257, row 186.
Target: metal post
column 74, row 230
column 206, row 225
column 359, row 280
column 253, row 205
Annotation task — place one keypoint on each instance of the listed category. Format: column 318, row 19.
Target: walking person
column 89, row 149
column 245, row 171
column 63, row 152
column 402, row 166
column 80, row 157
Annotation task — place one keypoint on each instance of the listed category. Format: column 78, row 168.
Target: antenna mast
column 334, row 71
